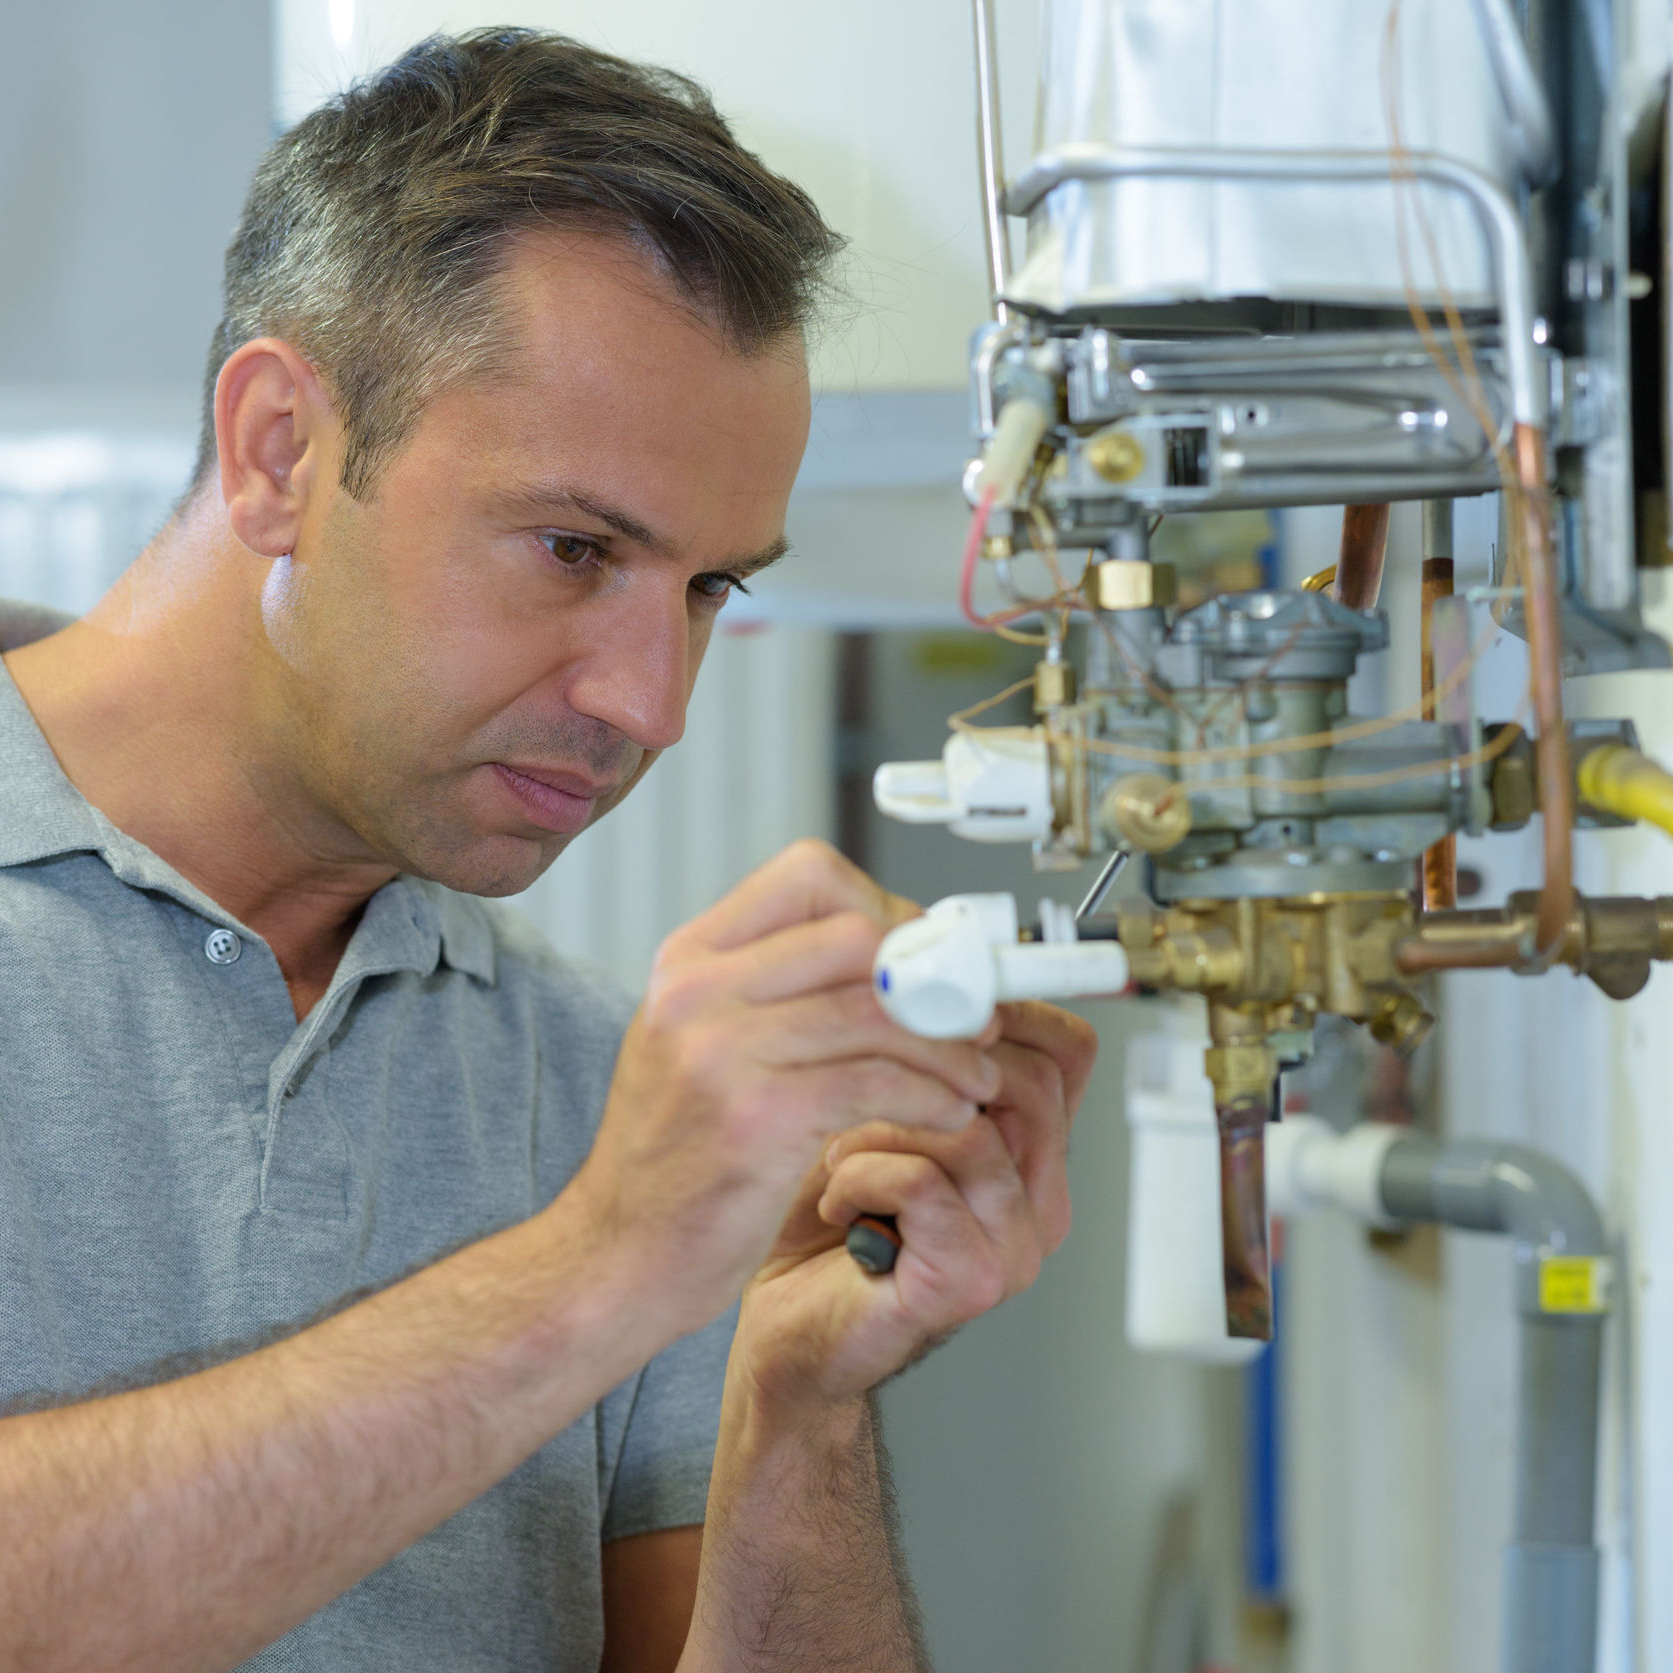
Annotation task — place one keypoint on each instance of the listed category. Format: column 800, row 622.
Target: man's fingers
column 807, row 880
column 836, row 1096
column 802, row 958
column 939, row 1227
column 1028, row 1118
column 846, row 1023
column 980, row 1168
column 1070, row 1041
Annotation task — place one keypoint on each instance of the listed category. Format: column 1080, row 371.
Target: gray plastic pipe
column 1551, row 1566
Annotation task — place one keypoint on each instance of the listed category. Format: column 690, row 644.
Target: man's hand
column 979, row 1208
column 758, row 1042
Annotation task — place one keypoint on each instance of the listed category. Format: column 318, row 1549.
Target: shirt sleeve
column 662, row 1474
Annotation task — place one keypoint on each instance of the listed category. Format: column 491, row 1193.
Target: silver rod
column 1437, row 529
column 1533, row 133
column 1498, row 215
column 991, row 153
column 1101, row 885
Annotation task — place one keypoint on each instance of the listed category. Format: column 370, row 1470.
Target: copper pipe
column 1243, row 1232
column 1540, row 614
column 1359, row 564
column 1437, row 886
column 1543, row 941
column 1474, row 946
column 1612, row 939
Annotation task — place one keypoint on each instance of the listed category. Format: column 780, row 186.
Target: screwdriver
column 874, row 1242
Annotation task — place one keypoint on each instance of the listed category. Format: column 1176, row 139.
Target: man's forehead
column 578, row 284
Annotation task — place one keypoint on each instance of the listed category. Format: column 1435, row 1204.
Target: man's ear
column 275, row 432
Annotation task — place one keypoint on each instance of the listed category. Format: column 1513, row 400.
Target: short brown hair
column 375, row 226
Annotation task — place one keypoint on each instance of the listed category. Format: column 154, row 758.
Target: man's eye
column 718, row 586
column 570, row 550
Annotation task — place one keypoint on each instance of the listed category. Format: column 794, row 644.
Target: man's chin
column 493, row 866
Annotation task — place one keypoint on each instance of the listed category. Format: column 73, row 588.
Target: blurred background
column 1069, row 1503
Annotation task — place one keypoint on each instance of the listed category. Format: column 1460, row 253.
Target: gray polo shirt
column 186, row 1171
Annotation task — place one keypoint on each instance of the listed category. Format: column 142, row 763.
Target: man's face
column 488, row 653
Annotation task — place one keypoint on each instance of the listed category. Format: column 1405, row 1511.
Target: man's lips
column 561, row 802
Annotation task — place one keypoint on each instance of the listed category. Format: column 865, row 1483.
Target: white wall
column 868, row 105
column 127, row 137
column 754, row 772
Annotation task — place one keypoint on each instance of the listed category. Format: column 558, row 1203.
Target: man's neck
column 152, row 705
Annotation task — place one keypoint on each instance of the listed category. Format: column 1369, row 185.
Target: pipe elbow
column 1504, row 1188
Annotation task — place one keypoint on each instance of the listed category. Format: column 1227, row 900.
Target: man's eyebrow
column 548, row 498
column 764, row 559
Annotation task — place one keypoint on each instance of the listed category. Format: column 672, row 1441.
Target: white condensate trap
column 1176, row 1299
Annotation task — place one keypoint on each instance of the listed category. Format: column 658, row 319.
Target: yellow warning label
column 1574, row 1284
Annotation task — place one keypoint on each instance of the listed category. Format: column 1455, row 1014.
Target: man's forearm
column 183, row 1526
column 801, row 1571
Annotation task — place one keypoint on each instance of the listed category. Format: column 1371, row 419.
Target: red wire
column 972, row 551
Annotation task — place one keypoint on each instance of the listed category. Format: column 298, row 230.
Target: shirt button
column 221, row 946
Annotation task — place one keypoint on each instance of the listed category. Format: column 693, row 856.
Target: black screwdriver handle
column 874, row 1242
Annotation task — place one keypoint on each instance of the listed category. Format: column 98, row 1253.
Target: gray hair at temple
column 375, row 227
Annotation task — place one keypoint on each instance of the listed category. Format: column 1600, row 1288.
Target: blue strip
column 1263, row 1530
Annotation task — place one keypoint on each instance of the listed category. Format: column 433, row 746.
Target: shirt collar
column 410, row 924
column 41, row 812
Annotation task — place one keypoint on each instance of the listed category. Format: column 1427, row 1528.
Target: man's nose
column 636, row 676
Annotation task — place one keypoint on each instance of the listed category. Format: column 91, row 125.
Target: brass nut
column 1402, row 1024
column 1130, row 584
column 1511, row 785
column 1241, row 1071
column 1115, row 455
column 1054, row 685
column 1151, row 812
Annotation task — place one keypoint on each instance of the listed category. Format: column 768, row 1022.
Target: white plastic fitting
column 1176, row 1293
column 942, row 974
column 1309, row 1166
column 991, row 788
column 1017, row 434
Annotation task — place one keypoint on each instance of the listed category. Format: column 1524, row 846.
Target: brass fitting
column 1130, row 584
column 1241, row 1071
column 1153, row 813
column 1284, row 960
column 1511, row 783
column 1401, row 1022
column 1054, row 685
column 1115, row 455
column 1612, row 940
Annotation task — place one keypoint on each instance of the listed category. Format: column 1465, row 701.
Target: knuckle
column 856, row 936
column 1083, row 1037
column 1035, row 1078
column 752, row 1111
column 677, row 987
column 920, row 1179
column 987, row 1286
column 814, row 855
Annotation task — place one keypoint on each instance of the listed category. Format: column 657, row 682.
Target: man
column 357, row 1299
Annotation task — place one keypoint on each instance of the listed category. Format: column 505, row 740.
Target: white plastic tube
column 1309, row 1166
column 941, row 975
column 1176, row 1294
column 1017, row 434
